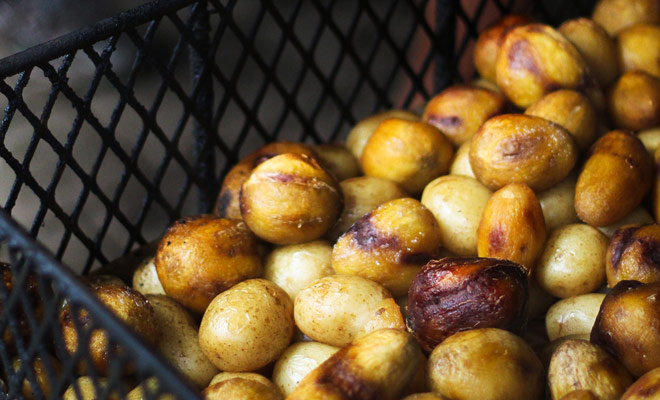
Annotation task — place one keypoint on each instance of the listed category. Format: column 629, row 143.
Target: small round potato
column 632, row 254
column 337, row 308
column 247, row 327
column 638, row 48
column 573, row 315
column 295, row 266
column 457, row 203
column 633, row 101
column 361, row 195
column 637, row 216
column 650, row 138
column 389, row 245
column 297, row 361
column 578, row 364
column 515, row 148
column 145, row 278
column 487, row 363
column 558, row 204
column 646, row 387
column 202, row 256
column 362, row 131
column 241, row 389
column 573, row 261
column 614, row 15
column 409, row 153
column 460, row 110
column 85, row 388
column 460, row 165
column 337, row 160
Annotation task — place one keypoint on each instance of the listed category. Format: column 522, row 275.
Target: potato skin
column 458, row 293
column 460, row 165
column 638, row 48
column 486, row 363
column 650, row 138
column 573, row 316
column 634, row 254
column 633, row 101
column 615, row 15
column 241, row 389
column 646, row 387
column 558, row 205
column 512, row 226
column 638, row 216
column 580, row 395
column 199, row 257
column 362, row 131
column 613, row 180
column 297, row 361
column 628, row 325
column 514, row 148
column 88, row 389
column 145, row 278
column 337, row 160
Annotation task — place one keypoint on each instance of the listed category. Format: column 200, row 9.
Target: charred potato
column 633, row 101
column 297, row 361
column 645, row 388
column 362, row 131
column 337, row 160
column 460, row 165
column 573, row 315
column 633, row 254
column 614, row 15
column 638, row 48
column 558, row 205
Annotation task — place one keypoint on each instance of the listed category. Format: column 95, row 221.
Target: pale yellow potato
column 487, row 363
column 573, row 315
column 650, row 139
column 573, row 261
column 361, row 132
column 457, row 203
column 558, row 204
column 460, row 165
column 247, row 327
column 297, row 361
column 145, row 278
column 179, row 342
column 615, row 15
column 638, row 216
column 295, row 266
column 335, row 309
column 87, row 389
column 338, row 160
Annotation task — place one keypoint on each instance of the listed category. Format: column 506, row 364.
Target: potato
column 638, row 49
column 290, row 199
column 633, row 254
column 338, row 160
column 147, row 390
column 457, row 294
column 558, row 205
column 460, row 165
column 573, row 315
column 297, row 361
column 573, row 261
column 580, row 395
column 424, row 396
column 486, row 363
column 484, row 83
column 535, row 60
column 650, row 138
column 545, row 353
column 489, row 42
column 460, row 110
column 516, row 148
column 39, row 368
column 247, row 327
column 409, row 153
column 595, row 45
column 512, row 226
column 223, row 376
column 376, row 366
column 241, row 389
column 362, row 131
column 570, row 109
column 637, row 216
column 85, row 388
column 457, row 203
column 646, row 387
column 614, row 15
column 633, row 101
column 179, row 343
column 335, row 309
column 389, row 245
column 361, row 195
column 199, row 257
column 578, row 364
column 145, row 278
column 628, row 325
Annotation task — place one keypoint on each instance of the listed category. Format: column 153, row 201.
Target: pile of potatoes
column 501, row 245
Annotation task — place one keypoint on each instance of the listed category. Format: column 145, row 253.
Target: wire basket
column 111, row 133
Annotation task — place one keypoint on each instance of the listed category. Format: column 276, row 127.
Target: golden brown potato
column 223, row 376
column 634, row 254
column 145, row 278
column 484, row 83
column 376, row 366
column 362, row 131
column 489, row 42
column 578, row 364
column 361, row 195
column 338, row 160
column 241, row 389
column 535, row 60
column 613, row 180
column 558, row 204
column 389, row 245
column 638, row 48
column 457, row 294
column 638, row 216
column 339, row 308
column 40, row 371
column 628, row 325
column 512, row 226
column 149, row 387
column 85, row 388
column 199, row 257
column 486, row 363
column 633, row 101
column 460, row 165
column 614, row 15
column 247, row 327
column 460, row 110
column 650, row 138
column 646, row 387
column 290, row 199
column 228, row 203
column 580, row 395
column 298, row 361
column 573, row 315
column 457, row 203
column 514, row 148
column 570, row 109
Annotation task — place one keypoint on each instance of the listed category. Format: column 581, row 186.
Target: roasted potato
column 638, row 216
column 241, row 389
column 580, row 395
column 645, row 388
column 650, row 138
column 297, row 361
column 362, row 131
column 460, row 165
column 634, row 254
column 145, row 278
column 573, row 315
column 86, row 388
column 558, row 204
column 638, row 49
column 633, row 101
column 338, row 160
column 615, row 15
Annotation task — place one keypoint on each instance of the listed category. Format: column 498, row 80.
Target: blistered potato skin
column 578, row 364
column 633, row 101
column 645, row 388
column 457, row 294
column 634, row 254
column 362, row 131
column 514, row 148
column 460, row 110
column 337, row 160
column 615, row 15
column 638, row 48
column 487, row 363
column 613, row 180
column 512, row 226
column 376, row 366
column 628, row 325
column 558, row 204
column 573, row 316
column 199, row 257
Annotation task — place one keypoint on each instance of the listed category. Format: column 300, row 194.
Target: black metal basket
column 111, row 133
